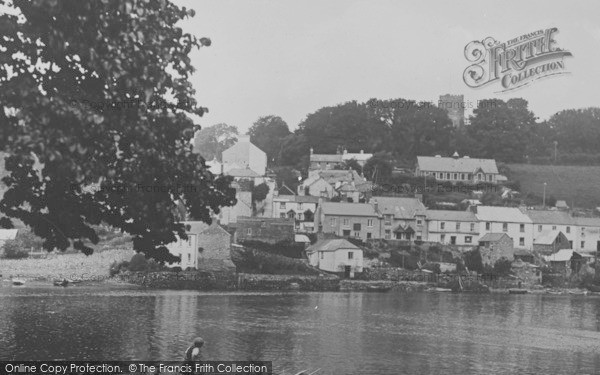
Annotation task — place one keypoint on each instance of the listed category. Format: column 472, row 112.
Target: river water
column 340, row 333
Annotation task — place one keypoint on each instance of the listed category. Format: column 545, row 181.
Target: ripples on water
column 341, row 333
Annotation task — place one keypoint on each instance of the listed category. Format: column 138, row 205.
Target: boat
column 63, row 282
column 578, row 292
column 439, row 290
column 378, row 288
column 18, row 281
column 517, row 291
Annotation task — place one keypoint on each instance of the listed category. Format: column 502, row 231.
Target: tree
column 378, row 168
column 473, row 260
column 577, row 130
column 210, row 142
column 502, row 130
column 502, row 267
column 268, row 133
column 352, row 164
column 100, row 96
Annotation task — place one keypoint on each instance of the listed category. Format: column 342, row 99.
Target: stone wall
column 288, row 282
column 181, row 280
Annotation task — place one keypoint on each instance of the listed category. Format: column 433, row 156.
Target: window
column 554, row 227
column 370, row 222
column 442, row 225
column 447, row 176
column 472, row 227
column 490, row 178
column 332, row 221
column 488, row 226
column 479, row 176
column 456, row 176
column 419, row 238
column 356, row 226
column 522, row 241
column 350, row 255
column 282, row 205
column 468, row 239
column 469, row 176
column 505, row 227
column 522, row 228
column 346, row 233
column 582, row 244
column 568, row 229
column 388, row 234
column 462, row 176
column 570, row 244
column 282, row 215
column 299, row 206
column 388, row 219
column 419, row 222
column 346, row 222
column 457, row 226
column 443, row 238
column 189, row 257
column 300, row 216
column 539, row 228
column 357, row 234
column 369, row 235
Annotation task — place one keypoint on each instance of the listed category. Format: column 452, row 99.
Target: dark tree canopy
column 98, row 91
column 268, row 133
column 211, row 141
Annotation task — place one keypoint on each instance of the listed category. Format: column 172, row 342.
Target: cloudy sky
column 290, row 58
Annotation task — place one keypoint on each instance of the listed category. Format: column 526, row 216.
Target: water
column 341, row 333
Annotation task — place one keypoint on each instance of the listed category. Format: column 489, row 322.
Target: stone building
column 494, row 246
column 264, row 229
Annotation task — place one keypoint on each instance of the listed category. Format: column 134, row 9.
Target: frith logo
column 515, row 63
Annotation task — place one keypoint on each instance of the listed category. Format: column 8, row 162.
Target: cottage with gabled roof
column 495, row 246
column 336, row 255
column 457, row 169
column 245, row 155
column 550, row 241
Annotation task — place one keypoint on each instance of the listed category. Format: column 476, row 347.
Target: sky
column 290, row 58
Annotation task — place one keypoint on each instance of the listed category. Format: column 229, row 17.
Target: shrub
column 284, row 248
column 13, row 249
column 473, row 260
column 502, row 267
column 138, row 263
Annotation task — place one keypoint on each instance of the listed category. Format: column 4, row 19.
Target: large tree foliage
column 268, row 133
column 98, row 91
column 211, row 141
column 577, row 130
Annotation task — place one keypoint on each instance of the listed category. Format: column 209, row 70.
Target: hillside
column 578, row 184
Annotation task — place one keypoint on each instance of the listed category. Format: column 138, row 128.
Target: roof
column 301, row 238
column 242, row 172
column 8, row 234
column 297, row 198
column 587, row 221
column 563, row 255
column 243, row 146
column 561, row 204
column 400, row 207
column 334, row 175
column 501, row 214
column 463, row 165
column 493, row 237
column 447, row 215
column 332, row 245
column 330, row 158
column 270, row 220
column 348, row 209
column 546, row 237
column 357, row 156
column 550, row 217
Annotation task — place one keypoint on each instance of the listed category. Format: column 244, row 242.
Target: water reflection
column 351, row 333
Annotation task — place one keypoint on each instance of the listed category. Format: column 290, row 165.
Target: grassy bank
column 70, row 266
column 570, row 183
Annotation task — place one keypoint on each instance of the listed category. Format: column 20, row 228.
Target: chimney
column 455, row 156
column 362, row 151
column 311, row 150
column 375, row 205
column 345, row 151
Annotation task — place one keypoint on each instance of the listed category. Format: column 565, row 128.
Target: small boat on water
column 378, row 288
column 517, row 291
column 18, row 281
column 578, row 292
column 439, row 290
column 63, row 282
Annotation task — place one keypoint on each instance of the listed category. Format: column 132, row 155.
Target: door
column 347, row 270
column 453, row 240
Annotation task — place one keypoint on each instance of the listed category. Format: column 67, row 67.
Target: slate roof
column 348, row 209
column 462, row 165
column 242, row 172
column 550, row 217
column 8, row 234
column 448, row 215
column 297, row 198
column 400, row 207
column 546, row 237
column 493, row 237
column 587, row 221
column 563, row 255
column 327, row 158
column 501, row 214
column 331, row 245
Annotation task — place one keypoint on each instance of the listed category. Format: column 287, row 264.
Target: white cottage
column 245, row 155
column 336, row 255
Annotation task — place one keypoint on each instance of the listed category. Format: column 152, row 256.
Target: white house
column 206, row 245
column 509, row 220
column 245, row 155
column 588, row 234
column 7, row 235
column 336, row 255
column 302, row 208
column 459, row 228
column 465, row 169
column 545, row 221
